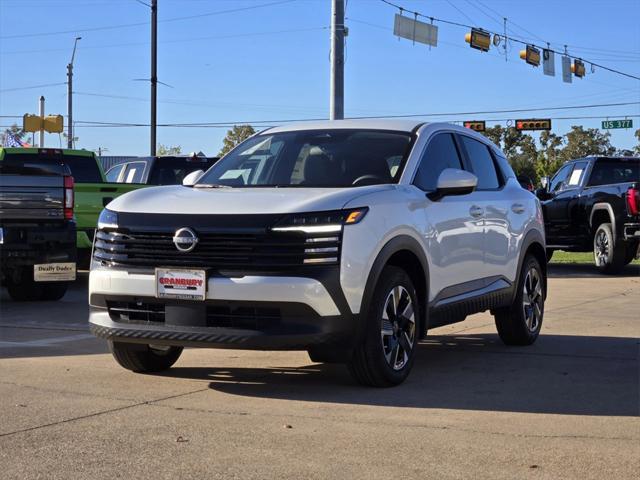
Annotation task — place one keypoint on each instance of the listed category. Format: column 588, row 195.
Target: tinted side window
column 441, row 153
column 133, row 173
column 482, row 163
column 607, row 172
column 112, row 175
column 558, row 179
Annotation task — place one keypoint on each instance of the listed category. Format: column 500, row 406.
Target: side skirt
column 496, row 293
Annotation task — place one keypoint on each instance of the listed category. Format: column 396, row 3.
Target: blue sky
column 272, row 63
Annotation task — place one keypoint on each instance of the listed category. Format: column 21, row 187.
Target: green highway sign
column 606, row 124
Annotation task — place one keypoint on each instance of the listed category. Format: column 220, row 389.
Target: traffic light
column 534, row 124
column 578, row 68
column 477, row 125
column 478, row 39
column 53, row 123
column 31, row 123
column 531, row 55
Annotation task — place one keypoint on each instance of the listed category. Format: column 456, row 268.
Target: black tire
column 142, row 358
column 383, row 340
column 549, row 254
column 608, row 254
column 22, row 288
column 632, row 250
column 520, row 324
column 54, row 291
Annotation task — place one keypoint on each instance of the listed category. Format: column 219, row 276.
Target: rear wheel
column 54, row 291
column 385, row 356
column 142, row 358
column 22, row 288
column 520, row 323
column 609, row 256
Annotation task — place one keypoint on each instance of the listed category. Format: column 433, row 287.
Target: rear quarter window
column 608, row 172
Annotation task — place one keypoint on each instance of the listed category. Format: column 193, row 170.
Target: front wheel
column 142, row 358
column 520, row 323
column 385, row 356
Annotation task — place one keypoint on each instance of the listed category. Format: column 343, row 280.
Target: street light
column 70, row 96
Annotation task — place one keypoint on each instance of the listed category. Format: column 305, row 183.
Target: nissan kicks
column 349, row 239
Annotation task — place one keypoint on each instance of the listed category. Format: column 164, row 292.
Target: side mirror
column 544, row 182
column 191, row 179
column 453, row 181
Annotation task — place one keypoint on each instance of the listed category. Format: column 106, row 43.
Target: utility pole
column 41, row 116
column 154, row 73
column 70, row 96
column 336, row 102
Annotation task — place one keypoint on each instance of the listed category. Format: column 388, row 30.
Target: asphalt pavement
column 566, row 407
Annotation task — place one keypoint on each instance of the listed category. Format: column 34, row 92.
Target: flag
column 10, row 140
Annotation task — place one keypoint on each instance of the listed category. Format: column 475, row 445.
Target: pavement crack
column 102, row 412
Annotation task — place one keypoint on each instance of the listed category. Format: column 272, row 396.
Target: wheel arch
column 600, row 213
column 404, row 252
column 533, row 244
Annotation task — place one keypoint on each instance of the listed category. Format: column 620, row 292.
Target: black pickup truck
column 37, row 226
column 593, row 204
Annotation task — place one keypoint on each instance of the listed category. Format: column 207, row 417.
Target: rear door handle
column 517, row 208
column 476, row 211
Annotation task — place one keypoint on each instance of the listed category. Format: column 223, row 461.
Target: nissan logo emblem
column 185, row 240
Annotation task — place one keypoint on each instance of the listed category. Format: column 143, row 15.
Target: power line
column 137, row 24
column 32, row 87
column 458, row 24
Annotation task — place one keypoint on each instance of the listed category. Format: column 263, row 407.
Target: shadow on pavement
column 559, row 375
column 584, row 270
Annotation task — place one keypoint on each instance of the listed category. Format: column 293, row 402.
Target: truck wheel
column 609, row 255
column 22, row 288
column 632, row 251
column 54, row 291
column 141, row 358
column 385, row 356
column 520, row 323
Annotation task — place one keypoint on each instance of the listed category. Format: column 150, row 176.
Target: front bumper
column 249, row 312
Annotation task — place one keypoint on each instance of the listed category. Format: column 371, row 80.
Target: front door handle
column 517, row 208
column 476, row 211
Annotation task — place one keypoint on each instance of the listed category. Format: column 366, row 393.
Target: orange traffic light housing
column 478, row 39
column 534, row 124
column 577, row 68
column 476, row 125
column 531, row 55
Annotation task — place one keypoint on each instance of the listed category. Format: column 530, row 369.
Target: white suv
column 348, row 239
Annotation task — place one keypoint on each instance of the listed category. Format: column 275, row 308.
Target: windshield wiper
column 210, row 185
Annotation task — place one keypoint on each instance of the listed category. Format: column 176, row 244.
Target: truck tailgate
column 32, row 197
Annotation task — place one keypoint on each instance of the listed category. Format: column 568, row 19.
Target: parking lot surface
column 566, row 407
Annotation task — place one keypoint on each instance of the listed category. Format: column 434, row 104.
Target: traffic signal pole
column 336, row 87
column 154, row 73
column 41, row 116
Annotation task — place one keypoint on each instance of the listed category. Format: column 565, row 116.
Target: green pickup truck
column 92, row 192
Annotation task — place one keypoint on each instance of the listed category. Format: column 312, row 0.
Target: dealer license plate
column 181, row 284
column 54, row 272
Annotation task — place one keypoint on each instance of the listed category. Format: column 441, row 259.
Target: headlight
column 321, row 222
column 108, row 219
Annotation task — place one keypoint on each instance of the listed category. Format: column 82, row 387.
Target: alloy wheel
column 601, row 248
column 532, row 299
column 398, row 332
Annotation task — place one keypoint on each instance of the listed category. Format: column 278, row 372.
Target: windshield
column 313, row 158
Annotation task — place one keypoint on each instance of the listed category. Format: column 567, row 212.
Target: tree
column 549, row 157
column 585, row 142
column 167, row 150
column 235, row 136
column 636, row 149
column 519, row 148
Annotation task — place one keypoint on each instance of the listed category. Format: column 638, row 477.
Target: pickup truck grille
column 272, row 251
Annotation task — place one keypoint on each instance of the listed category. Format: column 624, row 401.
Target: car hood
column 188, row 200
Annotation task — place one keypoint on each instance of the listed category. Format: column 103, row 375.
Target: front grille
column 239, row 317
column 220, row 251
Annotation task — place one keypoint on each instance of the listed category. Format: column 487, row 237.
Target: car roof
column 395, row 124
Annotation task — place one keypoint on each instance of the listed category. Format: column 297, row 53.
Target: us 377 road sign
column 607, row 124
